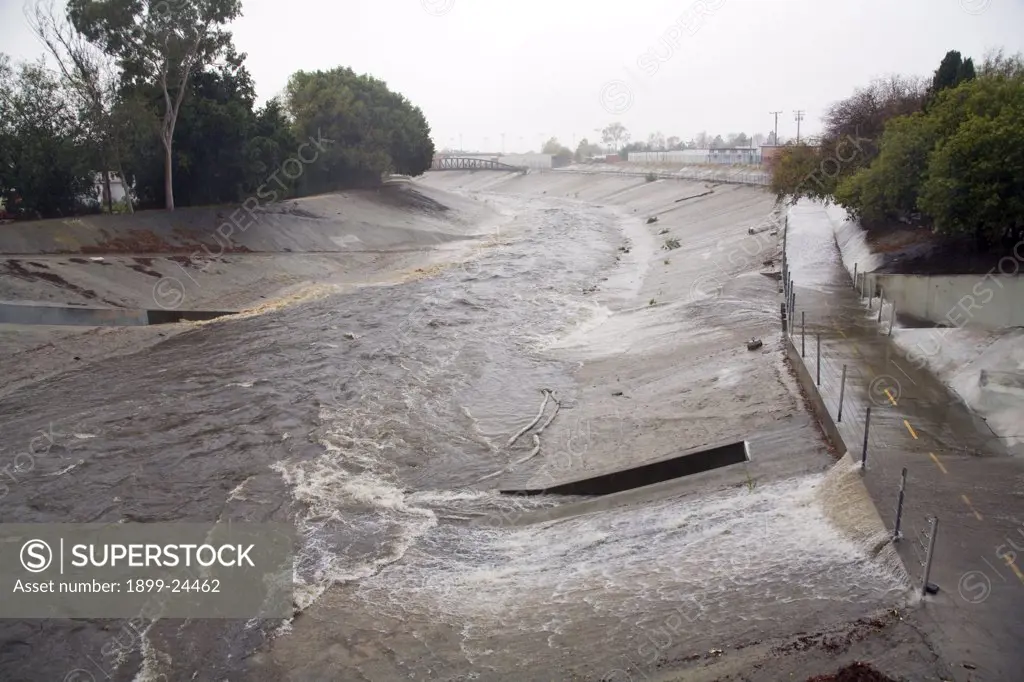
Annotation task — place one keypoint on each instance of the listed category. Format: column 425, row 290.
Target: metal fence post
column 855, row 275
column 782, row 311
column 842, row 391
column 819, row 358
column 896, row 534
column 803, row 335
column 928, row 558
column 881, row 304
column 892, row 320
column 864, row 451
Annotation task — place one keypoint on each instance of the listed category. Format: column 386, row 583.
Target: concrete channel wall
column 810, row 388
column 981, row 301
column 28, row 313
column 685, row 464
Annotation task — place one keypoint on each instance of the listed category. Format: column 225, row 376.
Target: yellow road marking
column 889, row 394
column 938, row 463
column 1020, row 576
column 967, row 501
column 910, row 428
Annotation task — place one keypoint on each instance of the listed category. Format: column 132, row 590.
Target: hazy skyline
column 533, row 69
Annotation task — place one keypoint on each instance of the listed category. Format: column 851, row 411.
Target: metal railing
column 853, row 422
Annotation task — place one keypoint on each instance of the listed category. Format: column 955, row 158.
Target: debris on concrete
column 652, row 219
column 855, row 672
column 754, row 344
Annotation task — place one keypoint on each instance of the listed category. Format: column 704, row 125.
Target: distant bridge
column 470, row 163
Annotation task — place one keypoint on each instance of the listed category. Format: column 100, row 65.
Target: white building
column 117, row 192
column 537, row 161
column 737, row 156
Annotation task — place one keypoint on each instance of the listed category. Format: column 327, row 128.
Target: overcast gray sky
column 533, row 68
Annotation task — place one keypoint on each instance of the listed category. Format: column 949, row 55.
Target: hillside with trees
column 945, row 154
column 156, row 92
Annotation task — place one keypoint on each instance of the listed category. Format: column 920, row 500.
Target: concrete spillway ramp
column 48, row 314
column 691, row 462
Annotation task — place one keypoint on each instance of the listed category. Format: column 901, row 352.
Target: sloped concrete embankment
column 966, row 329
column 229, row 257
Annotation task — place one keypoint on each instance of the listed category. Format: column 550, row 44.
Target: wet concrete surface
column 958, row 470
column 376, row 418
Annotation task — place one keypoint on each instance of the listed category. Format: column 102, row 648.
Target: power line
column 776, row 115
column 799, row 117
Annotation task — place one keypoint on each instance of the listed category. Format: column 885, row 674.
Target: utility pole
column 776, row 115
column 799, row 117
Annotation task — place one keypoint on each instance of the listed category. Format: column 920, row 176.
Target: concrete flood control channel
column 745, row 551
column 691, row 462
column 49, row 314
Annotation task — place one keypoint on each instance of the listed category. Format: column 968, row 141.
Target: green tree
column 585, row 150
column 223, row 149
column 159, row 42
column 44, row 169
column 975, row 178
column 889, row 187
column 91, row 77
column 656, row 141
column 374, row 130
column 795, row 173
column 615, row 135
column 551, row 146
column 953, row 70
column 635, row 147
column 738, row 140
column 562, row 155
column 861, row 118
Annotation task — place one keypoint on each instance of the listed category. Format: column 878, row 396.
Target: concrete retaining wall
column 686, row 464
column 27, row 313
column 21, row 313
column 980, row 301
column 821, row 413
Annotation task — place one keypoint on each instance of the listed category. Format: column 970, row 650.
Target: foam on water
column 740, row 556
column 733, row 555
